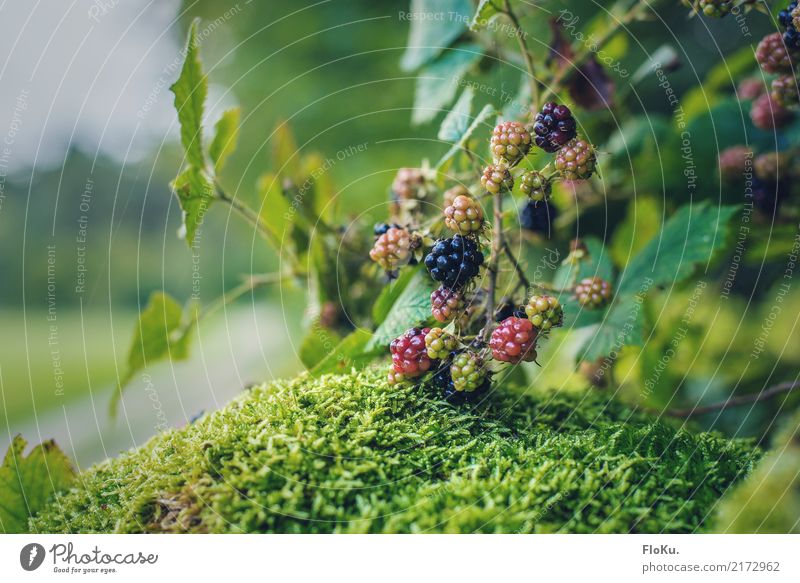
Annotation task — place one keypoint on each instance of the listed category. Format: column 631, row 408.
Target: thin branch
column 526, row 54
column 494, row 263
column 523, row 279
column 249, row 215
column 773, row 391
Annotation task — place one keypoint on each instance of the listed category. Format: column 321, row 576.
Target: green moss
column 349, row 454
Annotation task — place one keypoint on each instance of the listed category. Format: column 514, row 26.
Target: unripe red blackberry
column 409, row 353
column 464, row 216
column 593, row 292
column 751, row 88
column 445, row 304
column 773, row 55
column 496, row 178
column 769, row 115
column 554, row 126
column 468, row 372
column 733, row 162
column 514, row 340
column 409, row 184
column 440, row 344
column 785, row 91
column 510, row 142
column 544, row 312
column 536, row 186
column 577, row 160
column 451, row 194
column 392, row 249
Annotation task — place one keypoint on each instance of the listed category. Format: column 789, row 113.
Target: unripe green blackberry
column 392, row 249
column 733, row 163
column 773, row 55
column 440, row 344
column 468, row 372
column 593, row 292
column 409, row 184
column 715, row 8
column 577, row 160
column 464, row 216
column 451, row 194
column 544, row 312
column 769, row 115
column 785, row 91
column 496, row 178
column 536, row 186
column 446, row 304
column 510, row 142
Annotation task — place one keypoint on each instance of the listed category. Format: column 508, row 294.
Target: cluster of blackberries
column 554, row 126
column 789, row 19
column 454, row 262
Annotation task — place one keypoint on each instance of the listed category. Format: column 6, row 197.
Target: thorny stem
column 526, row 54
column 773, row 391
column 494, row 263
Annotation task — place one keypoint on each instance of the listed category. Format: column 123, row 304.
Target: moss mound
column 350, row 454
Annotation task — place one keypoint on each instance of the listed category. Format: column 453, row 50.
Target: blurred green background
column 331, row 69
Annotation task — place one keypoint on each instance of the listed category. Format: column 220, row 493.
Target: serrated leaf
column 390, row 292
column 352, row 352
column 690, row 238
column 162, row 332
column 485, row 114
column 412, row 308
column 27, row 483
column 520, row 105
column 195, row 193
column 621, row 327
column 486, row 11
column 434, row 25
column 226, row 134
column 190, row 92
column 438, row 83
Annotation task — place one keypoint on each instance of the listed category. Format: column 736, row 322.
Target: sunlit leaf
column 434, row 24
column 438, row 82
column 190, row 92
column 226, row 133
column 413, row 307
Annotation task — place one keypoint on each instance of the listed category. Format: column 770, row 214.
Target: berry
column 714, row 8
column 507, row 310
column 454, row 262
column 514, row 340
column 750, row 88
column 409, row 184
column 768, row 167
column 773, row 55
column 554, row 126
column 785, row 91
column 409, row 353
column 576, row 160
column 468, row 372
column 440, row 344
column 451, row 194
column 733, row 162
column 392, row 249
column 464, row 216
column 544, row 312
column 445, row 304
column 496, row 178
column 510, row 142
column 535, row 186
column 593, row 292
column 395, row 378
column 789, row 19
column 769, row 115
column 538, row 217
column 381, row 228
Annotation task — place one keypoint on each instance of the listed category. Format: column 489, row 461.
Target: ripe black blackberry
column 767, row 197
column 554, row 126
column 454, row 262
column 538, row 217
column 788, row 19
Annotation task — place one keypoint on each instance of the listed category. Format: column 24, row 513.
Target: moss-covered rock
column 350, row 454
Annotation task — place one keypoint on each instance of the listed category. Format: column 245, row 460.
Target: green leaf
column 195, row 193
column 352, row 352
column 487, row 10
column 690, row 238
column 598, row 263
column 390, row 293
column 226, row 134
column 412, row 308
column 286, row 160
column 641, row 224
column 438, row 82
column 27, row 483
column 162, row 332
column 519, row 107
column 485, row 114
column 434, row 25
column 190, row 94
column 318, row 344
column 621, row 327
column 456, row 121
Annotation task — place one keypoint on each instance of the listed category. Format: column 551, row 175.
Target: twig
column 494, row 262
column 249, row 215
column 523, row 279
column 764, row 395
column 526, row 54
